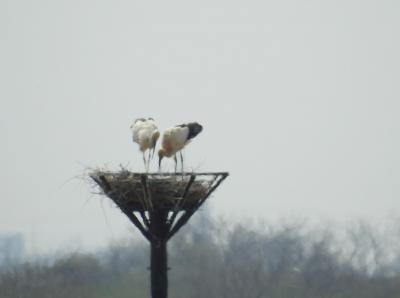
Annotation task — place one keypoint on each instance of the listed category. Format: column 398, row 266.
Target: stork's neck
column 166, row 153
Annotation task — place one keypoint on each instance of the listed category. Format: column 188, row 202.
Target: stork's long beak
column 159, row 162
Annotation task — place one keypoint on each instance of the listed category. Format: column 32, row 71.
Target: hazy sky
column 299, row 102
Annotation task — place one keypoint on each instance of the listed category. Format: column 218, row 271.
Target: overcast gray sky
column 299, row 102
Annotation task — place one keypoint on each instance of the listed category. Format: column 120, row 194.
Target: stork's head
column 197, row 128
column 139, row 119
column 136, row 121
column 194, row 129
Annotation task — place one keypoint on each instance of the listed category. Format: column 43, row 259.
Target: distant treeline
column 215, row 259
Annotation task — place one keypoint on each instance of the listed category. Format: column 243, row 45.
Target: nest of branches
column 143, row 191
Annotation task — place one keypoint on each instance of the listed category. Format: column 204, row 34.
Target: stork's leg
column 176, row 163
column 144, row 160
column 148, row 161
column 180, row 152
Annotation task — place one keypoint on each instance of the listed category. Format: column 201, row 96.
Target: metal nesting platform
column 158, row 204
column 144, row 191
column 168, row 192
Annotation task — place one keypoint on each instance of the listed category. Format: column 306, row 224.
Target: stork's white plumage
column 175, row 139
column 145, row 133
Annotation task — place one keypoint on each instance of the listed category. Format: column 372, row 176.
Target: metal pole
column 158, row 262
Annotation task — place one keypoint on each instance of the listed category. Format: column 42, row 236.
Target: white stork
column 145, row 133
column 175, row 139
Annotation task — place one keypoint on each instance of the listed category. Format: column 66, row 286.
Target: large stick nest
column 133, row 191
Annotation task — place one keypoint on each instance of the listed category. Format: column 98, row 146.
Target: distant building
column 12, row 248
